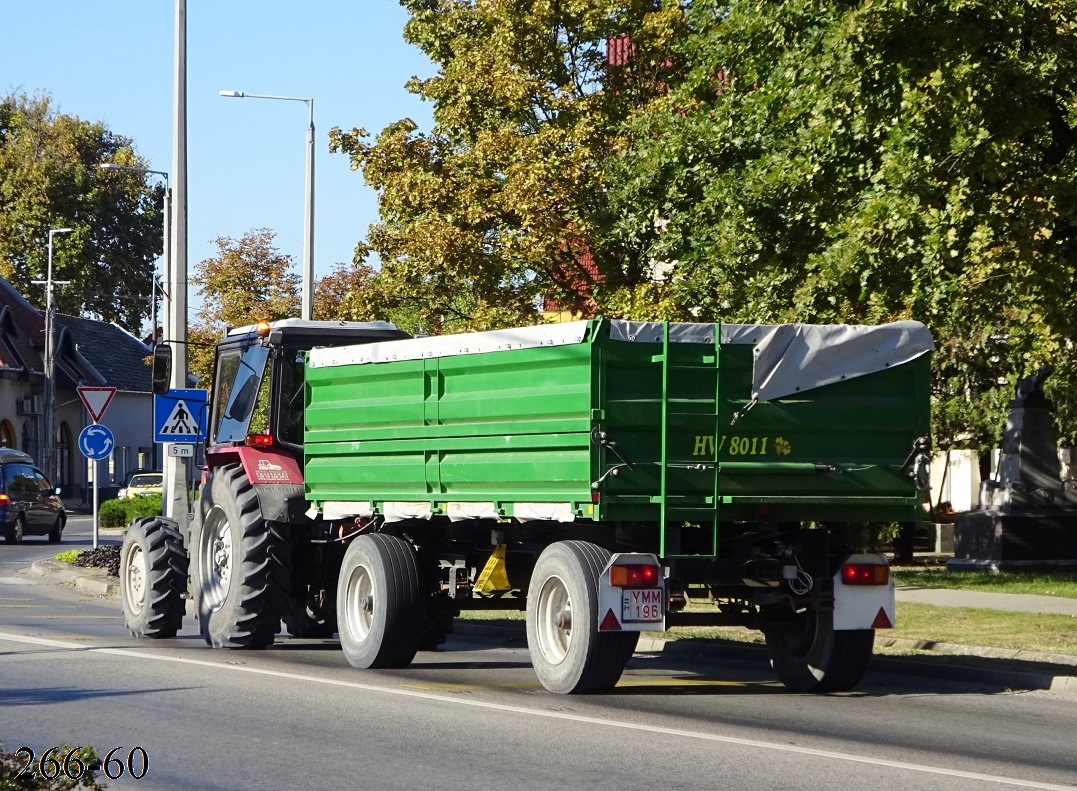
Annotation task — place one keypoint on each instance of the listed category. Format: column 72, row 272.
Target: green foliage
column 12, row 777
column 118, row 513
column 249, row 281
column 496, row 205
column 112, row 513
column 755, row 161
column 67, row 556
column 864, row 163
column 49, row 178
column 143, row 505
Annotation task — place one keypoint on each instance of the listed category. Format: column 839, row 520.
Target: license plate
column 642, row 605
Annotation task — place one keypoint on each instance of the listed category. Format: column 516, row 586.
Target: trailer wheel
column 380, row 603
column 568, row 652
column 809, row 655
column 240, row 579
column 153, row 577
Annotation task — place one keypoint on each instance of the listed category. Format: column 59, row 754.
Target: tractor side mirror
column 162, row 368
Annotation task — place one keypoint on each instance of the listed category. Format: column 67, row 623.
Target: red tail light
column 635, row 576
column 865, row 574
column 259, row 440
column 4, row 499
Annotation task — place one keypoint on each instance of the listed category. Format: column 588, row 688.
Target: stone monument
column 1027, row 517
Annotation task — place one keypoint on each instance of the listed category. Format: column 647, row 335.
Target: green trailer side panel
column 510, row 425
column 516, row 426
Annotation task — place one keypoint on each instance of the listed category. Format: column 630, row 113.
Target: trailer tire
column 380, row 602
column 153, row 578
column 809, row 655
column 240, row 565
column 569, row 654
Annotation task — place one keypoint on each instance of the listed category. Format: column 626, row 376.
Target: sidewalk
column 1007, row 602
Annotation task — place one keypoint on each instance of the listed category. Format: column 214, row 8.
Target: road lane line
column 555, row 715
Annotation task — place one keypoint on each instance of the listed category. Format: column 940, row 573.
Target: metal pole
column 95, row 503
column 307, row 308
column 48, row 438
column 175, row 503
column 47, row 418
column 166, row 256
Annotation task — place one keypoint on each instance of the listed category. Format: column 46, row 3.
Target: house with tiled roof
column 88, row 353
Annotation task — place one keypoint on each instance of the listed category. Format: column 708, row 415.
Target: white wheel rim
column 554, row 620
column 359, row 604
column 135, row 589
column 217, row 557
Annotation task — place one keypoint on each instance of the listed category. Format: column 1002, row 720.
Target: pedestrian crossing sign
column 179, row 416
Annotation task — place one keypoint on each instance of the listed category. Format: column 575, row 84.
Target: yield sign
column 96, row 400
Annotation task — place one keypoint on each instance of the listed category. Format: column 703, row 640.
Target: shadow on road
column 39, row 695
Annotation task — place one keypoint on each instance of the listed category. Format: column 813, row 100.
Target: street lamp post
column 174, row 497
column 307, row 307
column 166, row 257
column 48, row 446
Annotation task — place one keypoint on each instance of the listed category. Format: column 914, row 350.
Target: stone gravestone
column 1026, row 518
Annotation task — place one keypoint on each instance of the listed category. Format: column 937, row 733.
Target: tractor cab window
column 239, row 379
column 290, row 412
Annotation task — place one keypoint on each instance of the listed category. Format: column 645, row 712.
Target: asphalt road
column 473, row 715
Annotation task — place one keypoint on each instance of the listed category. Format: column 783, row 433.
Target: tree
column 866, row 162
column 247, row 282
column 497, row 204
column 49, row 178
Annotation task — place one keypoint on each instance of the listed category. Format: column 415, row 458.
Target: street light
column 166, row 257
column 307, row 307
column 49, row 439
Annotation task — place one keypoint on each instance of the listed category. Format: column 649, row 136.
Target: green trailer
column 602, row 475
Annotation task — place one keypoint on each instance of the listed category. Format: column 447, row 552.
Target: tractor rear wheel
column 240, row 565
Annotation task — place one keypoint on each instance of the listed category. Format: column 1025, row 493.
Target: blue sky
column 112, row 60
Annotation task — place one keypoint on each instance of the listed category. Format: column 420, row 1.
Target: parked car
column 29, row 504
column 122, row 494
column 144, row 483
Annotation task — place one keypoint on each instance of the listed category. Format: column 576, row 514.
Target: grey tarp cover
column 792, row 358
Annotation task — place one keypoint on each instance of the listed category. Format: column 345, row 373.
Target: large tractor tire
column 568, row 652
column 153, row 577
column 380, row 602
column 809, row 655
column 240, row 565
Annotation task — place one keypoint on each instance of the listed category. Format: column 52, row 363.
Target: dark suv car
column 29, row 505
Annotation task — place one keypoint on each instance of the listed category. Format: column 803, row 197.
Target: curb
column 1009, row 680
column 83, row 579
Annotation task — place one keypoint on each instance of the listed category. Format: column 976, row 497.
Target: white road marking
column 556, row 715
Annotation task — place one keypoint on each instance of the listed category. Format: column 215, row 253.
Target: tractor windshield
column 239, row 376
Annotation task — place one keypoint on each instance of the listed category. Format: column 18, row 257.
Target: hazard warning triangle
column 180, row 421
